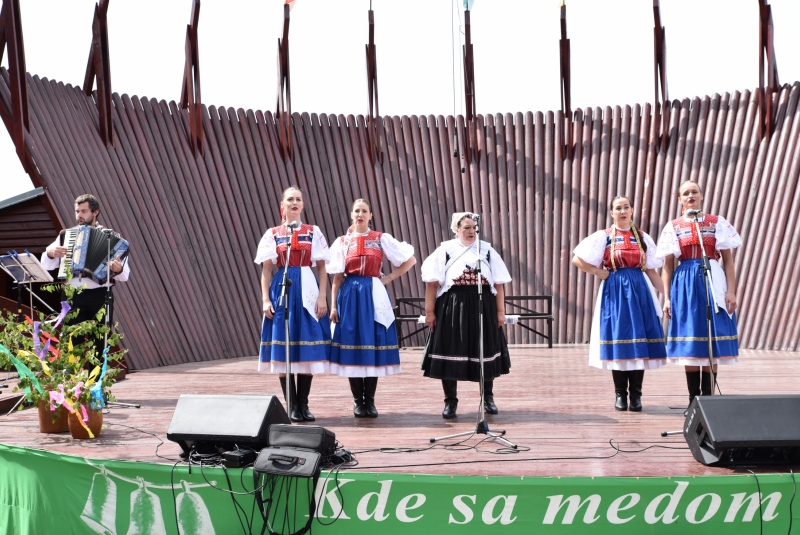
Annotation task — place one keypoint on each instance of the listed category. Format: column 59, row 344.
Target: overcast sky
column 712, row 47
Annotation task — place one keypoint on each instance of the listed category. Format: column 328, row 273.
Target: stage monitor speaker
column 744, row 430
column 210, row 423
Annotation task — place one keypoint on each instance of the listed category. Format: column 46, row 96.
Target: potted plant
column 60, row 365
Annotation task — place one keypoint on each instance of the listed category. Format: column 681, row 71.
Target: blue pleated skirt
column 309, row 339
column 361, row 346
column 629, row 326
column 687, row 336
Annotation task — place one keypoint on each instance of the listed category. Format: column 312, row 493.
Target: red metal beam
column 284, row 105
column 565, row 134
column 375, row 153
column 469, row 92
column 662, row 106
column 17, row 116
column 99, row 68
column 190, row 91
column 766, row 52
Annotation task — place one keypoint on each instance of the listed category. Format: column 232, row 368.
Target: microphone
column 294, row 225
column 693, row 213
column 476, row 218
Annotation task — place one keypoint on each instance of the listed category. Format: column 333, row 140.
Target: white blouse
column 394, row 250
column 437, row 267
column 592, row 249
column 724, row 234
column 267, row 248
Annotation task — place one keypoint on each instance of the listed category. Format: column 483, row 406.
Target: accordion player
column 89, row 251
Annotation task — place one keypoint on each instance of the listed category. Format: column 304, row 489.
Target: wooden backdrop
column 194, row 222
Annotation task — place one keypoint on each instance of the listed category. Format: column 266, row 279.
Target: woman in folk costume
column 453, row 314
column 364, row 343
column 627, row 337
column 685, row 303
column 309, row 326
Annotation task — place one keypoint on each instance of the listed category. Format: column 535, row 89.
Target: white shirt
column 84, row 282
column 437, row 268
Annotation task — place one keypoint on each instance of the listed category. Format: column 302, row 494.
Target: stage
column 557, row 409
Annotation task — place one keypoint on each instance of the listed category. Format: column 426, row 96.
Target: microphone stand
column 709, row 284
column 284, row 302
column 481, row 428
column 109, row 304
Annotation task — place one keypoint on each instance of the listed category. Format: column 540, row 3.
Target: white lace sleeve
column 500, row 274
column 319, row 247
column 432, row 269
column 653, row 261
column 592, row 248
column 266, row 248
column 396, row 251
column 336, row 264
column 726, row 235
column 668, row 243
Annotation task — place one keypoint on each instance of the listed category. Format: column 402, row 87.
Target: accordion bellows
column 88, row 252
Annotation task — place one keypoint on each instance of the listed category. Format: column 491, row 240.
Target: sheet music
column 24, row 268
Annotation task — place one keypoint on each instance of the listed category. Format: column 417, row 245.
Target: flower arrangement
column 60, row 363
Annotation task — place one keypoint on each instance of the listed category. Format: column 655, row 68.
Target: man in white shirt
column 92, row 298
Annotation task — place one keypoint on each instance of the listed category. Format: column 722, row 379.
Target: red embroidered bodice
column 688, row 241
column 627, row 253
column 364, row 254
column 301, row 245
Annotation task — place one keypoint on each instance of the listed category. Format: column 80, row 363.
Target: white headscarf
column 457, row 217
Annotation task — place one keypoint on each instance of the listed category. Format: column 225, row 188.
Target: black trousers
column 89, row 303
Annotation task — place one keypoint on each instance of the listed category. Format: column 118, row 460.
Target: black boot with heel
column 294, row 410
column 621, row 389
column 450, row 398
column 370, row 386
column 357, row 389
column 303, row 389
column 693, row 385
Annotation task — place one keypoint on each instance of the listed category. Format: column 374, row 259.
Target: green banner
column 48, row 493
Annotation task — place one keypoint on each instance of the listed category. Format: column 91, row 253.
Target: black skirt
column 453, row 350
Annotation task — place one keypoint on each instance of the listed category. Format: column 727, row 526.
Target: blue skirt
column 630, row 328
column 361, row 346
column 310, row 340
column 688, row 329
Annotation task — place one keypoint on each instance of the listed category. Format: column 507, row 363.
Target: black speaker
column 744, row 430
column 210, row 423
column 310, row 437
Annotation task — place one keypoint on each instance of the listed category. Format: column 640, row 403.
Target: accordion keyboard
column 70, row 235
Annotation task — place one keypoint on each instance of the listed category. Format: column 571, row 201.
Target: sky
column 712, row 47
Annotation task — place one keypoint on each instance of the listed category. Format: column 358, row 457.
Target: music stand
column 25, row 270
column 481, row 428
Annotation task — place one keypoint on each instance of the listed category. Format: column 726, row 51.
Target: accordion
column 88, row 252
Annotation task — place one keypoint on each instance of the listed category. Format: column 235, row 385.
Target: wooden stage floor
column 552, row 403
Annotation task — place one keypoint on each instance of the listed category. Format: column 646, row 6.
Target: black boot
column 693, row 384
column 294, row 411
column 488, row 398
column 705, row 383
column 621, row 388
column 370, row 386
column 635, row 380
column 450, row 400
column 357, row 388
column 303, row 389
